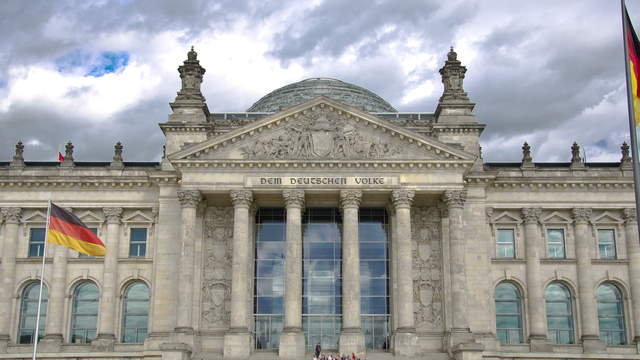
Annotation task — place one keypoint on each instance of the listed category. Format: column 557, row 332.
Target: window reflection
column 269, row 276
column 322, row 292
column 374, row 277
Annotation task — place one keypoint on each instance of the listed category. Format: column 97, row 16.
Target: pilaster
column 588, row 311
column 12, row 217
column 633, row 253
column 106, row 327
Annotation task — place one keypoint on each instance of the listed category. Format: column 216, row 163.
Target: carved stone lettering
column 216, row 280
column 427, row 268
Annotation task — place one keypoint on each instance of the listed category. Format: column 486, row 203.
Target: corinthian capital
column 189, row 198
column 293, row 198
column 241, row 197
column 12, row 215
column 581, row 215
column 402, row 197
column 629, row 215
column 350, row 198
column 113, row 214
column 531, row 215
column 454, row 198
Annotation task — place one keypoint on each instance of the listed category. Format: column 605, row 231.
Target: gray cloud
column 549, row 72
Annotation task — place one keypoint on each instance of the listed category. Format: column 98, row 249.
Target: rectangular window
column 505, row 244
column 606, row 244
column 138, row 242
column 95, row 232
column 36, row 242
column 555, row 244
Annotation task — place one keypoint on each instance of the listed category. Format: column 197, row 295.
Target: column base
column 50, row 343
column 404, row 342
column 468, row 351
column 104, row 342
column 291, row 344
column 592, row 343
column 539, row 343
column 352, row 341
column 458, row 336
column 237, row 344
column 4, row 343
column 175, row 351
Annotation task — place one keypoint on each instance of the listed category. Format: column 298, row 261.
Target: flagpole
column 632, row 120
column 44, row 256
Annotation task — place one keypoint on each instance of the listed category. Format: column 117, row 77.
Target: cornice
column 180, row 127
column 76, row 182
column 565, row 184
column 320, row 164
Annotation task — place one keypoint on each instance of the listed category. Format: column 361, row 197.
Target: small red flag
column 60, row 157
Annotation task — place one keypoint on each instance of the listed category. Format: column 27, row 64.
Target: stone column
column 404, row 339
column 454, row 200
column 588, row 310
column 633, row 253
column 292, row 337
column 106, row 327
column 534, row 247
column 237, row 341
column 189, row 200
column 12, row 217
column 351, row 338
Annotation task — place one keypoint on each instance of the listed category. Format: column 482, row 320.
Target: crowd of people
column 321, row 356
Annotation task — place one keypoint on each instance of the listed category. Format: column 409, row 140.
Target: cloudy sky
column 96, row 72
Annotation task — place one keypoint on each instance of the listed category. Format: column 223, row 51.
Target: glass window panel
column 507, row 291
column 320, row 250
column 507, row 321
column 558, row 308
column 271, row 232
column 137, row 242
column 505, row 251
column 36, row 242
column 508, row 313
column 372, row 232
column 373, row 269
column 505, row 243
column 28, row 312
column 507, row 307
column 611, row 315
column 136, row 313
column 269, row 268
column 606, row 243
column 270, row 250
column 373, row 250
column 559, row 322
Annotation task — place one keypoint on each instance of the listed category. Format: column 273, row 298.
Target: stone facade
column 458, row 230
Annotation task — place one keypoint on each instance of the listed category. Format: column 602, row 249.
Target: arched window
column 611, row 315
column 135, row 313
column 559, row 314
column 29, row 311
column 508, row 314
column 84, row 316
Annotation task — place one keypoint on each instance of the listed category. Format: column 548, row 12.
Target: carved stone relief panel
column 216, row 279
column 427, row 268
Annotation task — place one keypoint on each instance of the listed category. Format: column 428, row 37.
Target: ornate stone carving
column 531, row 215
column 117, row 152
column 293, row 198
column 113, row 214
column 191, row 75
column 452, row 78
column 189, row 198
column 350, row 198
column 527, row 160
column 216, row 279
column 576, row 160
column 402, row 197
column 18, row 158
column 489, row 214
column 321, row 133
column 68, row 152
column 581, row 215
column 12, row 215
column 241, row 197
column 625, row 161
column 454, row 198
column 427, row 268
column 629, row 215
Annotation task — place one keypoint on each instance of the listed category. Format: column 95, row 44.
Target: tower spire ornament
column 625, row 161
column 454, row 102
column 576, row 160
column 190, row 97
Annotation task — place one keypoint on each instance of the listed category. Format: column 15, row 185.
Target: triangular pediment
column 89, row 217
column 137, row 217
column 322, row 130
column 608, row 218
column 557, row 218
column 505, row 218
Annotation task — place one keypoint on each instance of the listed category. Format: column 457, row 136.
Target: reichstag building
column 322, row 215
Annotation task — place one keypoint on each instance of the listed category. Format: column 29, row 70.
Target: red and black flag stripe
column 633, row 48
column 67, row 230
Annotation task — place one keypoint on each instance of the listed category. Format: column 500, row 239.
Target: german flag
column 67, row 230
column 633, row 48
